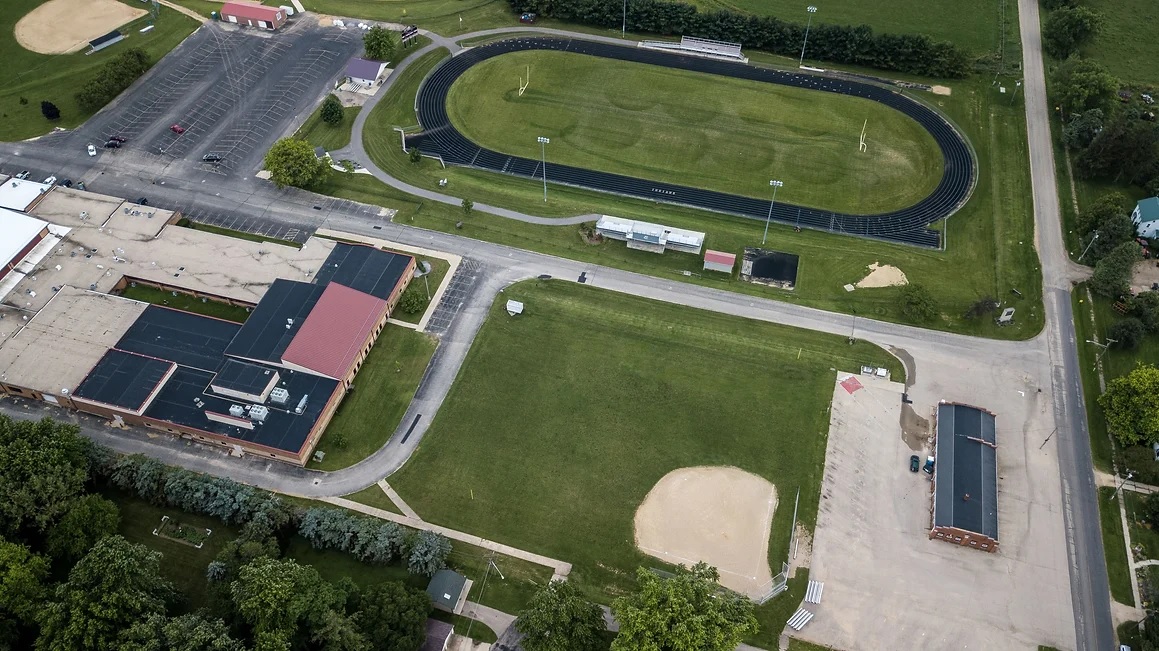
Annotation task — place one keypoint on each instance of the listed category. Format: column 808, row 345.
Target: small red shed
column 253, row 15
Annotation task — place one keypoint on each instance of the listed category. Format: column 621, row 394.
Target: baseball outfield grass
column 563, row 419
column 698, row 129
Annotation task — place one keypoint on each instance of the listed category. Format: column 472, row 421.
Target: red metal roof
column 334, row 332
column 719, row 257
column 251, row 11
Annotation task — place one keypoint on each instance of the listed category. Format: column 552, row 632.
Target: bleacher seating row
column 700, row 46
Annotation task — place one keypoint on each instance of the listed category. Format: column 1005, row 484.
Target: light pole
column 774, row 184
column 1118, row 488
column 543, row 161
column 812, row 10
column 624, row 25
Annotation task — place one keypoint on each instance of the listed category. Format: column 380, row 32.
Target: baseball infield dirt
column 63, row 26
column 883, row 275
column 717, row 514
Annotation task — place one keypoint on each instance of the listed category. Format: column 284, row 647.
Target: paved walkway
column 496, row 620
column 397, row 499
column 560, row 568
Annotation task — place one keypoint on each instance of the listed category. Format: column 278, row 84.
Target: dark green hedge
column 112, row 78
column 908, row 53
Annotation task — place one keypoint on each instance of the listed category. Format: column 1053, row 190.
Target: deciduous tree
column 190, row 632
column 1145, row 307
column 1080, row 85
column 86, row 521
column 49, row 111
column 1112, row 277
column 1128, row 333
column 918, row 303
column 1126, row 149
column 280, row 599
column 1082, row 128
column 685, row 612
column 45, row 466
column 22, row 590
column 1069, row 28
column 291, row 161
column 380, row 43
column 394, row 616
column 559, row 618
column 1106, row 206
column 331, row 110
column 116, row 584
column 1131, row 406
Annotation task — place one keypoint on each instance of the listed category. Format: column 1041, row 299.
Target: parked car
column 929, row 467
column 51, row 180
column 112, row 144
column 177, row 129
column 527, row 19
column 23, row 175
column 66, row 183
column 92, row 150
column 80, row 185
column 915, row 462
column 118, row 139
column 211, row 158
column 142, row 201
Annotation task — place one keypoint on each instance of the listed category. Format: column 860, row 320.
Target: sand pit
column 716, row 514
column 883, row 276
column 940, row 90
column 63, row 26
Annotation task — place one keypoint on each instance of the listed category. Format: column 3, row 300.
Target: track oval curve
column 908, row 225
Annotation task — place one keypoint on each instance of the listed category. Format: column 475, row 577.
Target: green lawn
column 1141, row 532
column 995, row 225
column 373, row 496
column 801, row 645
column 182, row 564
column 601, row 395
column 697, row 129
column 187, row 303
column 1114, row 547
column 1125, row 45
column 57, row 78
column 330, row 136
column 1102, row 450
column 382, row 390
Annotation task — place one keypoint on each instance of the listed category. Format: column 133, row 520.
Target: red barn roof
column 335, row 331
column 719, row 257
column 251, row 11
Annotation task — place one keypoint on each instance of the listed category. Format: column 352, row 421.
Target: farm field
column 697, row 129
column 1125, row 45
column 551, row 461
column 995, row 225
column 56, row 78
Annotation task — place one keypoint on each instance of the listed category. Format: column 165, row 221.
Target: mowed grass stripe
column 696, row 129
column 563, row 419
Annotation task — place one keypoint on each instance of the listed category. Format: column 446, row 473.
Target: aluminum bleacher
column 700, row 47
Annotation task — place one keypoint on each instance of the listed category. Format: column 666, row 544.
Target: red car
column 177, row 129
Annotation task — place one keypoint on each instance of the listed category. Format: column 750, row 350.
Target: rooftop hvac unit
column 301, row 405
column 236, row 410
column 279, row 396
column 259, row 413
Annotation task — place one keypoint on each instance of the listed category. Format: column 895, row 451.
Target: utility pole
column 1088, row 246
column 624, row 26
column 775, row 185
column 812, row 10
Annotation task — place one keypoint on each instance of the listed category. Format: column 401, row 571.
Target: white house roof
column 16, row 231
column 16, row 194
column 1148, row 210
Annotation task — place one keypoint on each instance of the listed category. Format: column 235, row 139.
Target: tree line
column 68, row 581
column 859, row 45
column 110, row 79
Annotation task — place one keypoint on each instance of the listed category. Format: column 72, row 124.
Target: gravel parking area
column 887, row 586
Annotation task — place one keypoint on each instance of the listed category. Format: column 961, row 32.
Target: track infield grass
column 563, row 419
column 697, row 129
column 994, row 226
column 57, row 78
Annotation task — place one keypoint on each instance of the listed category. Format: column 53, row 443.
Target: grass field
column 1125, row 45
column 1141, row 533
column 602, row 395
column 382, row 390
column 697, row 129
column 373, row 496
column 995, row 226
column 330, row 136
column 57, row 78
column 187, row 303
column 1114, row 547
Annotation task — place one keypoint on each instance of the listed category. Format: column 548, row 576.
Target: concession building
column 268, row 386
column 965, row 509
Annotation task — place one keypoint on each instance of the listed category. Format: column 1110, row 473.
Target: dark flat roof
column 123, row 379
column 365, row 268
column 264, row 336
column 244, row 377
column 966, row 466
column 282, row 430
column 111, row 36
column 182, row 337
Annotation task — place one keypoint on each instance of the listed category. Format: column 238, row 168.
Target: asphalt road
column 1053, row 352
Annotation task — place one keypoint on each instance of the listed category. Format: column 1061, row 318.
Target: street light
column 1093, row 239
column 543, row 160
column 1118, row 488
column 774, row 184
column 624, row 25
column 812, row 10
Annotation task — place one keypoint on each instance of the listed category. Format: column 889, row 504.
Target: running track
column 908, row 225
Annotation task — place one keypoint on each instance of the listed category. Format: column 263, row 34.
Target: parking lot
column 231, row 91
column 887, row 586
